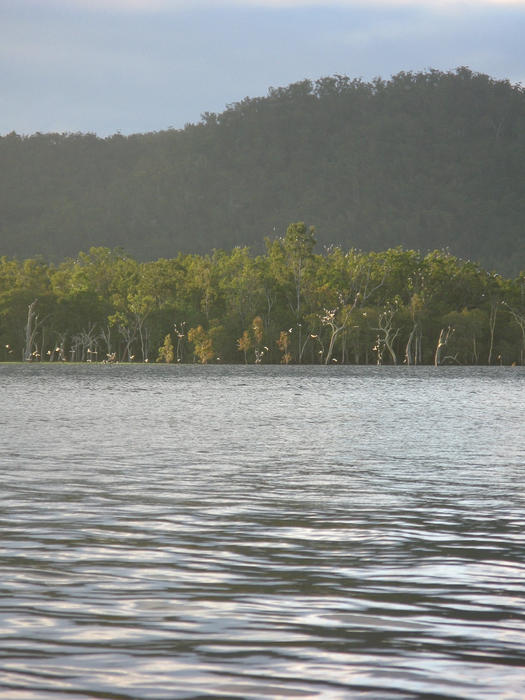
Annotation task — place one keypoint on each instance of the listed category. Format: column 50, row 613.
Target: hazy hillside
column 425, row 160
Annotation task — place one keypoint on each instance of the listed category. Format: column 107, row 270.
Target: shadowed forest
column 290, row 304
column 426, row 160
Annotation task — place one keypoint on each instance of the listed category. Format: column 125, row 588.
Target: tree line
column 290, row 304
column 425, row 160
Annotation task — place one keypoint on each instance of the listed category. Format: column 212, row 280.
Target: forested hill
column 423, row 160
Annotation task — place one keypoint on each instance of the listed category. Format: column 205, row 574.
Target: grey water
column 261, row 532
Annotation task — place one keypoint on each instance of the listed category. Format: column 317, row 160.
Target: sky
column 107, row 66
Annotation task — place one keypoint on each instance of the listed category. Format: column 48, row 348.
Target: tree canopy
column 425, row 160
column 290, row 304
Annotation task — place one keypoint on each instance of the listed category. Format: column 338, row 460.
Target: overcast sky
column 143, row 65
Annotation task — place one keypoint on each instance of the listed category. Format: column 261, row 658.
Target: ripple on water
column 261, row 532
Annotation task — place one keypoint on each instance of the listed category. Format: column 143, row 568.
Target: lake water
column 262, row 532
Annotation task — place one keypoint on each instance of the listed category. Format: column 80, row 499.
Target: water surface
column 261, row 532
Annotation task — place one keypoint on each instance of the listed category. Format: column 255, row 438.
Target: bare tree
column 337, row 319
column 357, row 294
column 493, row 313
column 413, row 346
column 386, row 333
column 181, row 334
column 142, row 330
column 413, row 354
column 442, row 343
column 105, row 335
column 519, row 318
column 84, row 344
column 31, row 330
column 128, row 333
column 58, row 348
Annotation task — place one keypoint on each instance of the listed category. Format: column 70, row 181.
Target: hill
column 424, row 160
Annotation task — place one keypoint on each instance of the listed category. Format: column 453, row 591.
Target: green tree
column 166, row 352
column 244, row 343
column 202, row 343
column 283, row 344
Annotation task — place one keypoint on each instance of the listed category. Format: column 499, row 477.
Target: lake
column 262, row 532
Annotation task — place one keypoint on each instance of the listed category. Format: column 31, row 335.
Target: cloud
column 139, row 65
column 150, row 6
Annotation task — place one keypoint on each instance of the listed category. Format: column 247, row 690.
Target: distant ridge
column 424, row 160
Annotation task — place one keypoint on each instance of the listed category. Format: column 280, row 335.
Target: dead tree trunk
column 31, row 328
column 442, row 342
column 519, row 318
column 410, row 350
column 105, row 335
column 492, row 325
column 58, row 348
column 388, row 335
column 128, row 333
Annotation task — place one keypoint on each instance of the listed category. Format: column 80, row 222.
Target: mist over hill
column 423, row 160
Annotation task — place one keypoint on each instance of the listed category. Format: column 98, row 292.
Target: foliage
column 202, row 342
column 166, row 352
column 427, row 160
column 289, row 305
column 244, row 343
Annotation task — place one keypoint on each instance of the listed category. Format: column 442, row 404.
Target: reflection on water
column 262, row 532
